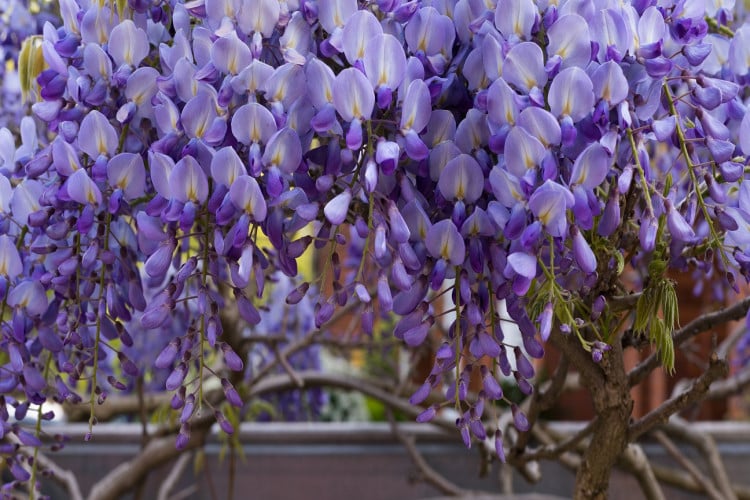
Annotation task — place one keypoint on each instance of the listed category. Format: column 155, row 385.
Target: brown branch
column 685, row 481
column 730, row 387
column 568, row 459
column 716, row 369
column 637, row 463
column 174, row 475
column 695, row 327
column 287, row 367
column 559, row 446
column 688, row 465
column 116, row 405
column 428, row 474
column 710, row 452
column 122, row 478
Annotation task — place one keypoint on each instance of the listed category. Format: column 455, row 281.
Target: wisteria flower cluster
column 478, row 150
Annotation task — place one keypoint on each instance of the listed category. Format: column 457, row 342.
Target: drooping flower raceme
column 523, row 152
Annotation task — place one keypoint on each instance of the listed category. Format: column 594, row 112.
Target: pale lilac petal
column 549, row 203
column 541, row 124
column 127, row 172
column 591, row 166
column 337, row 209
column 523, row 263
column 246, row 195
column 334, row 14
column 744, row 135
column 353, row 95
column 29, row 295
column 610, row 83
column 226, row 167
column 187, row 181
column 359, row 29
column 97, row 136
column 141, row 86
column 25, row 200
column 524, row 66
column 10, row 260
column 284, row 151
column 320, row 80
column 417, row 107
column 161, row 167
column 502, row 103
column 443, row 241
column 230, row 55
column 252, row 123
column 82, row 189
column 384, row 61
column 462, row 179
column 515, row 17
column 569, row 38
column 96, row 62
column 522, row 151
column 582, row 252
column 128, row 44
column 259, row 16
column 571, row 94
column 492, row 58
column 198, row 115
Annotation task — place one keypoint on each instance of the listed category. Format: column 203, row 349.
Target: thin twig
column 568, row 459
column 430, row 475
column 716, row 369
column 729, row 387
column 710, row 452
column 695, row 327
column 685, row 481
column 287, row 367
column 174, row 475
column 559, row 445
column 688, row 465
column 635, row 460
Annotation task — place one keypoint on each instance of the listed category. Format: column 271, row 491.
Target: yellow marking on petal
column 101, row 146
column 444, row 250
column 460, row 190
column 566, row 107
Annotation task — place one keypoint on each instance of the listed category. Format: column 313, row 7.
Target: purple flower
column 549, row 203
column 443, row 241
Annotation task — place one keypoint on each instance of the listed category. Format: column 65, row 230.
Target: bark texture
column 610, row 393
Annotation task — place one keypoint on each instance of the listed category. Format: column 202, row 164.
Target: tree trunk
column 610, row 393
